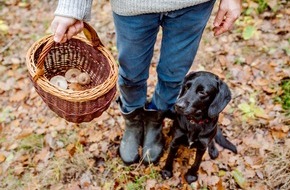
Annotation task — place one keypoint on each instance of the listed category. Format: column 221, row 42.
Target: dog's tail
column 225, row 143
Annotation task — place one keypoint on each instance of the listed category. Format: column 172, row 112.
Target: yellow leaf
column 3, row 27
column 239, row 178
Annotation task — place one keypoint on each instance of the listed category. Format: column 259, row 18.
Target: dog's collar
column 202, row 121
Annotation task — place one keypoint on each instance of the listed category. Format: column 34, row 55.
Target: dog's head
column 202, row 95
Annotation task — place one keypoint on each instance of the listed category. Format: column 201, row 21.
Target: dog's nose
column 179, row 106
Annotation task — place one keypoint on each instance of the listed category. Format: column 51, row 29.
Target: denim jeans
column 136, row 37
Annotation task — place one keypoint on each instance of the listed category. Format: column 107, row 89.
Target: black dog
column 202, row 97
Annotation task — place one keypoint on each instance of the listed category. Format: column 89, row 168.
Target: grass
column 65, row 170
column 277, row 167
column 139, row 182
column 285, row 98
column 32, row 143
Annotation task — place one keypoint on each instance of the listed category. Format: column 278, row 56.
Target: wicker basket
column 45, row 59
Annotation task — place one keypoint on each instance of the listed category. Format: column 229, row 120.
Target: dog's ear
column 220, row 101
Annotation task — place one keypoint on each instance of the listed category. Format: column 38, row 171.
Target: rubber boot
column 132, row 136
column 153, row 142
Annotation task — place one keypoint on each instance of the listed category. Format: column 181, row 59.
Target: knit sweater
column 81, row 9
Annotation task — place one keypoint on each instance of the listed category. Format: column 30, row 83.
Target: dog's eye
column 200, row 91
column 187, row 86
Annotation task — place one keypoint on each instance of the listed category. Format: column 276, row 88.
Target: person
column 137, row 24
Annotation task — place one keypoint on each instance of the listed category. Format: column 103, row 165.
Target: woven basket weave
column 45, row 59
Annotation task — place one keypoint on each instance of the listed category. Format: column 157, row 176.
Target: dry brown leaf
column 85, row 180
column 18, row 96
column 2, row 158
column 212, row 180
column 24, row 134
column 150, row 184
column 43, row 155
column 93, row 147
column 24, row 158
column 18, row 170
column 220, row 185
column 285, row 128
column 61, row 153
column 14, row 123
column 208, row 167
column 175, row 180
column 71, row 149
column 249, row 173
column 95, row 136
column 225, row 121
column 278, row 134
column 261, row 82
column 260, row 174
column 269, row 90
column 248, row 160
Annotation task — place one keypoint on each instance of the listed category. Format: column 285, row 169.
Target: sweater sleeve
column 78, row 9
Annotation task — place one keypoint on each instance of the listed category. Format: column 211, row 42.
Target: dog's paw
column 166, row 174
column 190, row 178
column 213, row 153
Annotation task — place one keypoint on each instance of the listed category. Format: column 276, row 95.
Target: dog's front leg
column 191, row 174
column 166, row 172
column 178, row 138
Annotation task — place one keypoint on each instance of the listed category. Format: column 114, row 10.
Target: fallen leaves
column 19, row 96
column 41, row 150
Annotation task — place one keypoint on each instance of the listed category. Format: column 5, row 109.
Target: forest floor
column 39, row 150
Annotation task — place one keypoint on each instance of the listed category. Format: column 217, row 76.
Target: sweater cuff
column 78, row 9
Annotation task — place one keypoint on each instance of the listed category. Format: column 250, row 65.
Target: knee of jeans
column 171, row 82
column 130, row 82
column 173, row 75
column 173, row 85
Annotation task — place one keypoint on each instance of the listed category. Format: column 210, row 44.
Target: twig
column 8, row 45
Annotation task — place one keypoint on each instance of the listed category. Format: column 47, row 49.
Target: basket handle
column 88, row 31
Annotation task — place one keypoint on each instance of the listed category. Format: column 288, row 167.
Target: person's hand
column 228, row 13
column 64, row 28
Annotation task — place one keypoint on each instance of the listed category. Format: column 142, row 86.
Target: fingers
column 74, row 29
column 228, row 13
column 60, row 33
column 64, row 28
column 225, row 26
column 219, row 18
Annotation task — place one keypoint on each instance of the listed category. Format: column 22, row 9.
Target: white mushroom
column 72, row 74
column 59, row 81
column 84, row 78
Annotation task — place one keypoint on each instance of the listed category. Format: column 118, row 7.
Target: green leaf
column 239, row 178
column 248, row 32
column 245, row 108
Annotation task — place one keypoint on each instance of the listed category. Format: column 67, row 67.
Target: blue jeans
column 136, row 36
